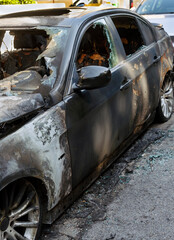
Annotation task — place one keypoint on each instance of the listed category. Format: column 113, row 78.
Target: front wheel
column 20, row 212
column 165, row 107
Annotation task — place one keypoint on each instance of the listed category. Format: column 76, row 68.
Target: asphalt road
column 132, row 200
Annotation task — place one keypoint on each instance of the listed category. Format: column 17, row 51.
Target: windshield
column 156, row 7
column 30, row 59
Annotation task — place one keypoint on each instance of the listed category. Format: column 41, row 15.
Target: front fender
column 23, row 173
column 39, row 148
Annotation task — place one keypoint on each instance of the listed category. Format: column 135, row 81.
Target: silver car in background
column 159, row 11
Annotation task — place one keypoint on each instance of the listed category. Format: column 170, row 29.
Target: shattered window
column 129, row 33
column 30, row 59
column 97, row 47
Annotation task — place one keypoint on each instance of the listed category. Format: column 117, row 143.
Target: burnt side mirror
column 91, row 77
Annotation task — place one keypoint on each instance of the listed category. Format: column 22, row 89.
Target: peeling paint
column 14, row 107
column 41, row 148
column 136, row 66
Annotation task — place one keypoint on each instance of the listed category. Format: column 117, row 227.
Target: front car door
column 98, row 120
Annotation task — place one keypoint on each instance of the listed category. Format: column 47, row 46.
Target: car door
column 98, row 120
column 143, row 62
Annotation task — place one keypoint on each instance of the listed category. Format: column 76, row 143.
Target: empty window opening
column 97, row 48
column 30, row 59
column 19, row 51
column 129, row 33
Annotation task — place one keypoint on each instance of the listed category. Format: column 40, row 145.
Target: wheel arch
column 166, row 75
column 41, row 187
column 36, row 181
column 166, row 68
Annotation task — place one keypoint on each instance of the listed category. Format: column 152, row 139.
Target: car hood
column 14, row 107
column 166, row 20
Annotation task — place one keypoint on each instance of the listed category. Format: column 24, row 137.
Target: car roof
column 38, row 17
column 54, row 16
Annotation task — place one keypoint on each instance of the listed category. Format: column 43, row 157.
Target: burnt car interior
column 129, row 33
column 94, row 48
column 19, row 52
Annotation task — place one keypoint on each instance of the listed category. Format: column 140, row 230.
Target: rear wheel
column 20, row 212
column 165, row 107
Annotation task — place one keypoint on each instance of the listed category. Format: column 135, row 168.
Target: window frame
column 139, row 21
column 139, row 29
column 79, row 36
column 107, row 37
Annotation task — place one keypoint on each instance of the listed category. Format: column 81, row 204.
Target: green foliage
column 4, row 2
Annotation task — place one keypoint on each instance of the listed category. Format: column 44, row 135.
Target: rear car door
column 142, row 65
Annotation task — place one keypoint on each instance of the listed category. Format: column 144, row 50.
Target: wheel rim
column 19, row 212
column 167, row 98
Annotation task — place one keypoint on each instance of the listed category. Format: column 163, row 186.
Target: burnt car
column 77, row 87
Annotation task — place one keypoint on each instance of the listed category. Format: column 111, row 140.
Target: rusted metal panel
column 166, row 51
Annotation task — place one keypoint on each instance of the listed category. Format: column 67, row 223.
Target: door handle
column 156, row 59
column 125, row 83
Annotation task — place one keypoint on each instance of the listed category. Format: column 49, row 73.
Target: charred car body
column 77, row 86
